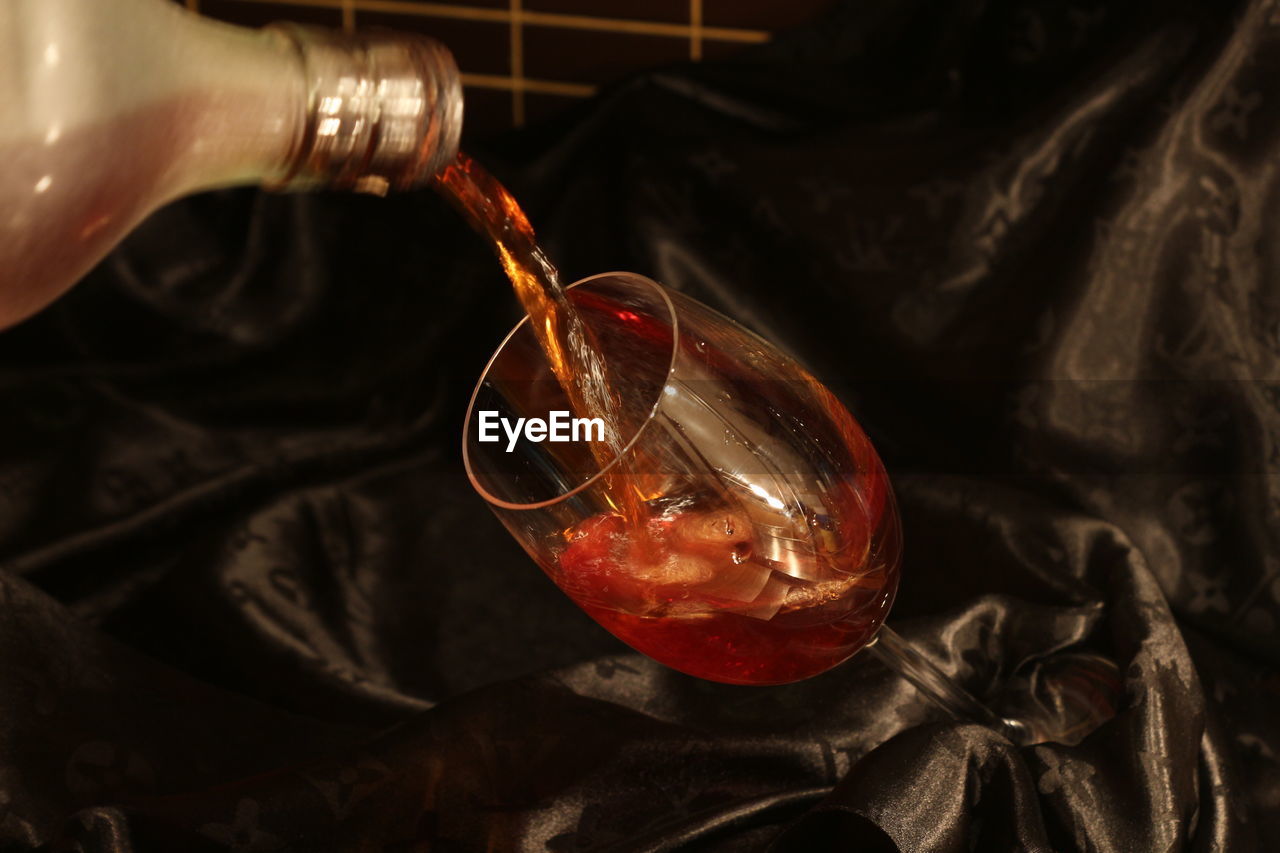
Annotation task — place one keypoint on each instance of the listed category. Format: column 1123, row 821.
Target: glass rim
column 495, row 501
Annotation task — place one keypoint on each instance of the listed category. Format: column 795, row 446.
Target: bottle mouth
column 383, row 110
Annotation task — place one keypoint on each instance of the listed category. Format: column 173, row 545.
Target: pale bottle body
column 110, row 108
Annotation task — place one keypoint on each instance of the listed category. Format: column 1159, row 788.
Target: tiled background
column 523, row 60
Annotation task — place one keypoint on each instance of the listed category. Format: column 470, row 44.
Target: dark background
column 248, row 600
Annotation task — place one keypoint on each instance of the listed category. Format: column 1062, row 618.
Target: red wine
column 560, row 330
column 566, row 341
column 776, row 576
column 733, row 585
column 704, row 604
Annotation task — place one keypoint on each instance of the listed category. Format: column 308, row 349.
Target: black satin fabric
column 249, row 602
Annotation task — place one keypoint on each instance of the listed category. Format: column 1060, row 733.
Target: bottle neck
column 295, row 107
column 381, row 112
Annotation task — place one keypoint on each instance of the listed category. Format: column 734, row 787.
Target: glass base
column 1062, row 699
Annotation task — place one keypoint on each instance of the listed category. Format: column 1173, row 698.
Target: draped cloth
column 248, row 600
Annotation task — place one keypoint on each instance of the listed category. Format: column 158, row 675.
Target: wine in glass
column 699, row 493
column 767, row 546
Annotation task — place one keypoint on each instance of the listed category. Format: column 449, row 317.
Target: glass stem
column 897, row 654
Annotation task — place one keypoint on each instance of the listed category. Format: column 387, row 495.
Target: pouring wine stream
column 673, row 576
column 565, row 339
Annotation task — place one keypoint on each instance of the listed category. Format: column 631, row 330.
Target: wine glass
column 743, row 529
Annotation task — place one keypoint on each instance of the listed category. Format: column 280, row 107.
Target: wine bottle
column 112, row 108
